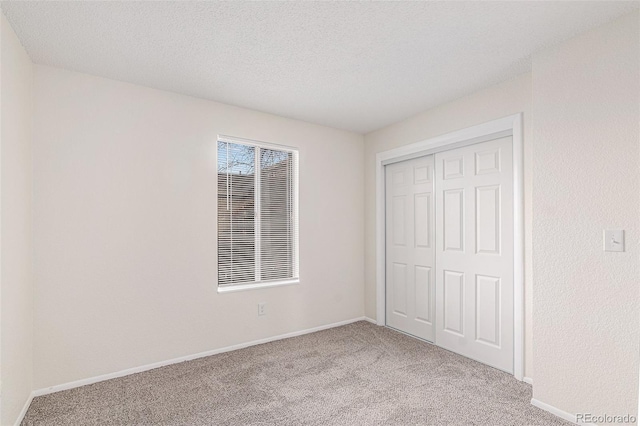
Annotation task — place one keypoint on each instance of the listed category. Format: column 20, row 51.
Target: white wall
column 586, row 97
column 16, row 284
column 508, row 98
column 125, row 227
column 125, row 204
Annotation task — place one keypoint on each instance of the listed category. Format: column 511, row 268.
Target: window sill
column 253, row 286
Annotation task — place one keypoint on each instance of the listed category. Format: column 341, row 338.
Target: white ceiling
column 353, row 65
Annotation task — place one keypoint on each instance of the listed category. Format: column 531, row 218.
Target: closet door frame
column 507, row 126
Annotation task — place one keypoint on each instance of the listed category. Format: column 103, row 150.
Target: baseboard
column 372, row 321
column 96, row 379
column 528, row 380
column 555, row 411
column 23, row 412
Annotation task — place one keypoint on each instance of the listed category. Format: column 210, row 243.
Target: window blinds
column 257, row 214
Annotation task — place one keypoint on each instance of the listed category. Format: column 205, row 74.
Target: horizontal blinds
column 277, row 221
column 236, row 213
column 257, row 222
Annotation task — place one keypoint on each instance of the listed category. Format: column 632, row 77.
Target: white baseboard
column 528, row 380
column 96, row 379
column 23, row 412
column 555, row 411
column 372, row 321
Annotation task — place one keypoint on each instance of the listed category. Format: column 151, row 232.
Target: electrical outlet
column 613, row 240
column 262, row 309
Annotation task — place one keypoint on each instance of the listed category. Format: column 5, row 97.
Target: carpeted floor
column 358, row 374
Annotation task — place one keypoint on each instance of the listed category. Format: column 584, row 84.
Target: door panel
column 399, row 301
column 488, row 310
column 488, row 219
column 423, row 292
column 453, row 220
column 453, row 167
column 474, row 252
column 399, row 219
column 422, row 217
column 453, row 309
column 410, row 291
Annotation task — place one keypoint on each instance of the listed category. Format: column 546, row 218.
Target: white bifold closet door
column 474, row 252
column 410, row 294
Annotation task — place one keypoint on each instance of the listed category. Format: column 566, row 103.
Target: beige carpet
column 359, row 374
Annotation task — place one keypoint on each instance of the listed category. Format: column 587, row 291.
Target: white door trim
column 501, row 127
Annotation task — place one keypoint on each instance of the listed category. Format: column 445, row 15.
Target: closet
column 449, row 250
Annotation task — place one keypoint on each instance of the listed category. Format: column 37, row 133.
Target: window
column 257, row 213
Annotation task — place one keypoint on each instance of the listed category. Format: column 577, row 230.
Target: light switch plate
column 613, row 240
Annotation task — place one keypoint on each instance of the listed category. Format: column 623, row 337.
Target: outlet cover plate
column 613, row 240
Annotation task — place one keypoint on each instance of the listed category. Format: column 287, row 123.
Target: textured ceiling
column 351, row 65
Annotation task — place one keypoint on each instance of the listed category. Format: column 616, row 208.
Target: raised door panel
column 453, row 167
column 398, row 177
column 487, row 161
column 453, row 217
column 422, row 218
column 454, row 305
column 488, row 310
column 399, row 299
column 423, row 293
column 487, row 219
column 422, row 173
column 399, row 220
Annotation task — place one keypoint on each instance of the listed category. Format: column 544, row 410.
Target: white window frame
column 296, row 240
